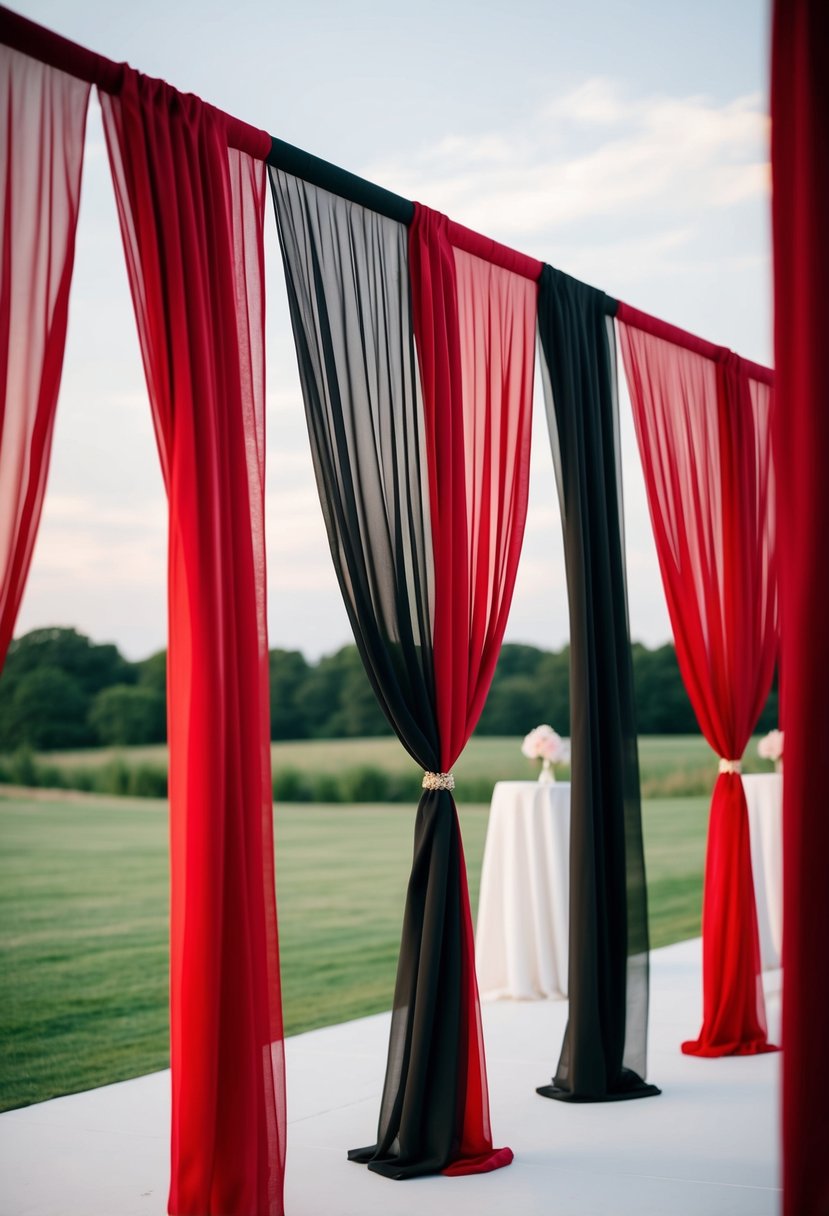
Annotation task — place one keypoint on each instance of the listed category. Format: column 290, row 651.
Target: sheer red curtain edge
column 61, row 53
column 629, row 315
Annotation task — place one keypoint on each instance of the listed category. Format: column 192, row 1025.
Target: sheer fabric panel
column 703, row 428
column 496, row 325
column 43, row 119
column 474, row 325
column 800, row 204
column 348, row 288
column 385, row 407
column 604, row 1056
column 191, row 217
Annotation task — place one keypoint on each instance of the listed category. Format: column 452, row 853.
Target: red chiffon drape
column 43, row 121
column 191, row 216
column 800, row 169
column 474, row 325
column 703, row 427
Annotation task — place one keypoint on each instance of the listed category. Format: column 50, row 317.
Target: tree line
column 59, row 689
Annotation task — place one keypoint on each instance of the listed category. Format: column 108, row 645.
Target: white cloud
column 76, row 555
column 593, row 151
column 75, row 509
column 596, row 101
column 97, row 543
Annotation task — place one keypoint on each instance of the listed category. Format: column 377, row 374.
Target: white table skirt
column 523, row 912
column 522, row 940
column 764, row 796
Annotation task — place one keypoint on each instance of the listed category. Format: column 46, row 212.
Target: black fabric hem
column 644, row 1090
column 391, row 1167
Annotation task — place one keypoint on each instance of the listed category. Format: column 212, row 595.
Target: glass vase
column 546, row 776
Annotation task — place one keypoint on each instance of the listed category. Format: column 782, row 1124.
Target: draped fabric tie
column 438, row 781
column 730, row 766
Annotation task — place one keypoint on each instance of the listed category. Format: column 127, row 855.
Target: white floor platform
column 708, row 1146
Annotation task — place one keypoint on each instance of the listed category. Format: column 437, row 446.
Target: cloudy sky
column 624, row 141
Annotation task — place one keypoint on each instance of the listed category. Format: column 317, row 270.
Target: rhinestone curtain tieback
column 438, row 781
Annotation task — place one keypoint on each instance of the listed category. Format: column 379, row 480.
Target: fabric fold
column 604, row 1054
column 703, row 429
column 800, row 422
column 191, row 214
column 416, row 367
column 43, row 119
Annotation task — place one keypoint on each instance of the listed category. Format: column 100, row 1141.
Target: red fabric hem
column 485, row 1163
column 693, row 1047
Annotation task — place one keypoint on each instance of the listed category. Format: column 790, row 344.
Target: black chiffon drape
column 349, row 292
column 604, row 1054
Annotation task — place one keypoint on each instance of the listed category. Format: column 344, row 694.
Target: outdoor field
column 671, row 766
column 83, row 902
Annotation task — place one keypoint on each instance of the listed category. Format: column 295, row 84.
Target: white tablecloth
column 521, row 943
column 764, row 795
column 523, row 914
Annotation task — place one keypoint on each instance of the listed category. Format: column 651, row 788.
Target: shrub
column 291, row 785
column 112, row 778
column 327, row 788
column 50, row 776
column 146, row 781
column 475, row 789
column 81, row 779
column 22, row 768
column 365, row 784
column 404, row 787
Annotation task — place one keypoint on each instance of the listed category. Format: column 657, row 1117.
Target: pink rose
column 544, row 743
column 770, row 746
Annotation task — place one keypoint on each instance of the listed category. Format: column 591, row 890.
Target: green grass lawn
column 83, row 911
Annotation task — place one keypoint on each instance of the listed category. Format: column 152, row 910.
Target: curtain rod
column 356, row 189
column 50, row 48
column 339, row 181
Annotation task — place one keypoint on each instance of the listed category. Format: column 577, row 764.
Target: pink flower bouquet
column 770, row 747
column 546, row 745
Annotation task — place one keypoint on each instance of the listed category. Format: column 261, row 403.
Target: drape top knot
column 730, row 766
column 438, row 781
